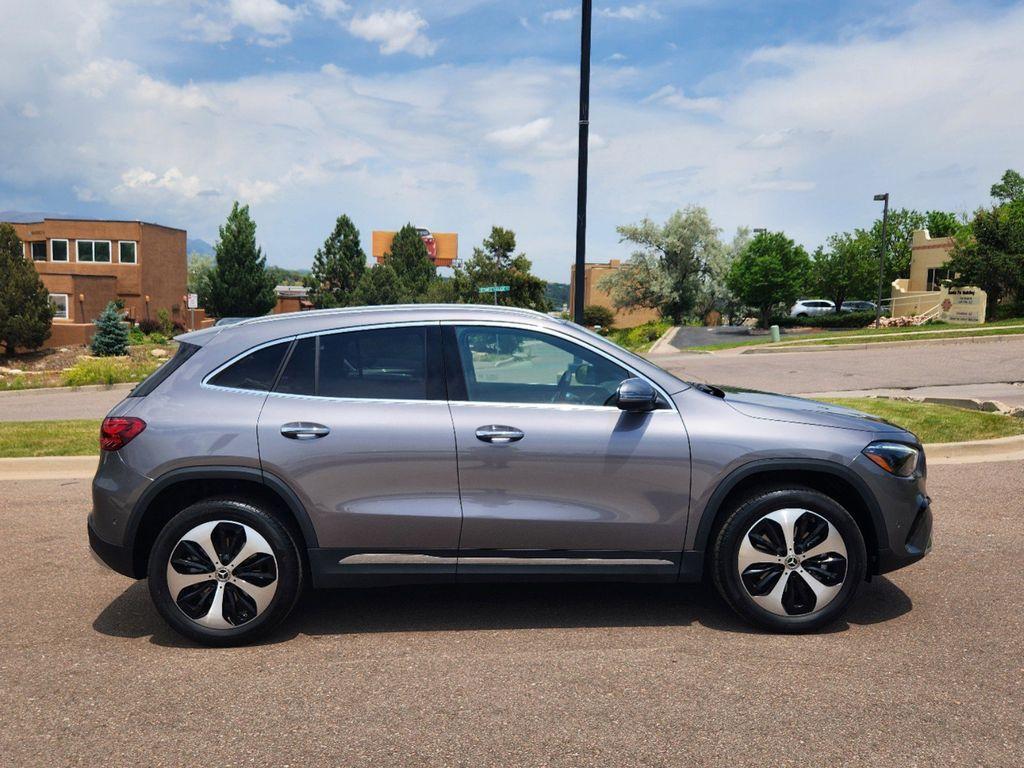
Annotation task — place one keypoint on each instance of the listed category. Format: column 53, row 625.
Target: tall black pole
column 881, row 256
column 581, row 177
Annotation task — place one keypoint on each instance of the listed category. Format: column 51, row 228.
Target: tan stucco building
column 920, row 292
column 592, row 294
column 86, row 263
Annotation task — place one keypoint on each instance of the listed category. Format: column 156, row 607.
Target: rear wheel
column 789, row 559
column 224, row 572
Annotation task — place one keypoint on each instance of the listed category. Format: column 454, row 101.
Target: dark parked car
column 457, row 443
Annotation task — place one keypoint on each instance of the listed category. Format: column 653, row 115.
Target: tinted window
column 389, row 363
column 151, row 382
column 38, row 251
column 509, row 365
column 297, row 378
column 254, row 371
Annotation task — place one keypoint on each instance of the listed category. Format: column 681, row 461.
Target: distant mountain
column 195, row 245
column 19, row 217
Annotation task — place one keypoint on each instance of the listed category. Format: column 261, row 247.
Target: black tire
column 751, row 511
column 246, row 621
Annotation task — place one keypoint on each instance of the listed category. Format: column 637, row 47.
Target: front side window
column 512, row 365
column 59, row 250
column 59, row 301
column 126, row 251
column 255, row 371
column 384, row 363
column 38, row 251
column 94, row 250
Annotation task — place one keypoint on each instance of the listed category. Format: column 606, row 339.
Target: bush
column 834, row 320
column 136, row 336
column 107, row 371
column 640, row 337
column 594, row 314
column 148, row 326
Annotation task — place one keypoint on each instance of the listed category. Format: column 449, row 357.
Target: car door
column 553, row 476
column 358, row 426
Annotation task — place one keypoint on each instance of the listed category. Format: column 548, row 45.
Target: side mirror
column 636, row 396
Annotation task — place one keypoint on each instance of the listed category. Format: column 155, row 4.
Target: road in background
column 906, row 364
column 926, row 669
column 61, row 403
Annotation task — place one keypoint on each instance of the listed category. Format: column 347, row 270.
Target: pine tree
column 408, row 257
column 25, row 309
column 379, row 285
column 240, row 285
column 111, row 333
column 337, row 266
column 495, row 264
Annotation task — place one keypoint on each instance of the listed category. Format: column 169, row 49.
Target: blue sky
column 458, row 115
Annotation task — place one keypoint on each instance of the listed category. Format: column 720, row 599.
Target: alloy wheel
column 792, row 562
column 222, row 574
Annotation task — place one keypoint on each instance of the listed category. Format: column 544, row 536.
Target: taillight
column 117, row 431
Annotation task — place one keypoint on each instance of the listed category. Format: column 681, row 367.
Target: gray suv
column 389, row 445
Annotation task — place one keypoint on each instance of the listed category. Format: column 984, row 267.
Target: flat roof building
column 86, row 263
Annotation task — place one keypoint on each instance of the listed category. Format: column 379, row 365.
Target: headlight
column 896, row 458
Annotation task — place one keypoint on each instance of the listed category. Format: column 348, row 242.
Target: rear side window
column 256, row 370
column 151, row 382
column 386, row 363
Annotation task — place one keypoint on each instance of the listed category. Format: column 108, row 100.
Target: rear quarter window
column 155, row 379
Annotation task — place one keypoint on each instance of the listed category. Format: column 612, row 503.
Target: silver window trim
column 426, row 324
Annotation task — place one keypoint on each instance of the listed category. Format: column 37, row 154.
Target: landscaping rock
column 158, row 352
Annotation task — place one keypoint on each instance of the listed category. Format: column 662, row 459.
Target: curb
column 665, row 340
column 765, row 349
column 83, row 388
column 971, row 451
column 49, row 468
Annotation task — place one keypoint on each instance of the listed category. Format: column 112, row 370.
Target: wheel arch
column 834, row 480
column 177, row 489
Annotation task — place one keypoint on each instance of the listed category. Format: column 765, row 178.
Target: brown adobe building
column 86, row 263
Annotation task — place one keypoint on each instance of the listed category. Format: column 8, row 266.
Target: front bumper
column 917, row 544
column 114, row 556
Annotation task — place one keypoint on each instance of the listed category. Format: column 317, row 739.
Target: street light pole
column 581, row 176
column 881, row 256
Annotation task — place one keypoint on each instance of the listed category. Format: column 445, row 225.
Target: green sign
column 495, row 289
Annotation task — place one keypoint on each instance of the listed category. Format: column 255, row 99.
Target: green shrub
column 834, row 320
column 136, row 336
column 594, row 314
column 640, row 338
column 106, row 370
column 111, row 337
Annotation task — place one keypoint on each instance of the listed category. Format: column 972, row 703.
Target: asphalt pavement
column 61, row 402
column 925, row 671
column 898, row 365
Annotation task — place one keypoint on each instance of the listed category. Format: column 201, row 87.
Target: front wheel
column 224, row 571
column 789, row 559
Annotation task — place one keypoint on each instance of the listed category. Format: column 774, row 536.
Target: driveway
column 907, row 364
column 925, row 671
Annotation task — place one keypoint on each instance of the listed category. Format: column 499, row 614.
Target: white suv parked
column 812, row 307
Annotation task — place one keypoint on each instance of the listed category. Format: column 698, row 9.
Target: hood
column 798, row 410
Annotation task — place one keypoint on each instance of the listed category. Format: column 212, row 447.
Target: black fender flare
column 222, row 472
column 759, row 466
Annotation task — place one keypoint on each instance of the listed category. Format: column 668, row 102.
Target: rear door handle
column 498, row 433
column 304, row 430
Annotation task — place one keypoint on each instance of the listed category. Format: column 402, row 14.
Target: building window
column 58, row 250
column 38, row 251
column 126, row 252
column 935, row 277
column 94, row 250
column 60, row 305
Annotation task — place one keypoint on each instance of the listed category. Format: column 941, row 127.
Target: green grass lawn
column 937, row 423
column 856, row 336
column 80, row 437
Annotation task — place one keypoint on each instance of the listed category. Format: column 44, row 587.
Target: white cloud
column 172, row 180
column 639, row 12
column 270, row 21
column 331, row 9
column 560, row 14
column 520, row 135
column 671, row 96
column 396, row 31
column 267, row 17
column 29, row 110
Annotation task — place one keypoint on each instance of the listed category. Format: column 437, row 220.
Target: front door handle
column 498, row 433
column 304, row 430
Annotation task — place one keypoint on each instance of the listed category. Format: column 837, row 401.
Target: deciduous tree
column 770, row 272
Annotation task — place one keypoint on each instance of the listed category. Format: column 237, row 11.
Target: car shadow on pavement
column 465, row 607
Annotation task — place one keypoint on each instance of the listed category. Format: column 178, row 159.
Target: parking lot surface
column 926, row 671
